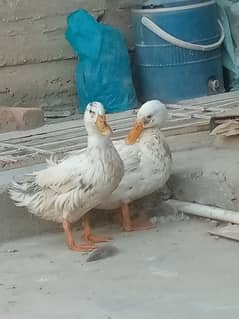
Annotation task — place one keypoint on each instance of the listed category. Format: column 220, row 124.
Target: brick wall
column 36, row 63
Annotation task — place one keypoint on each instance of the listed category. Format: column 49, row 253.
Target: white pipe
column 205, row 211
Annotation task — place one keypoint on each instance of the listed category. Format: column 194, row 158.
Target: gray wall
column 36, row 63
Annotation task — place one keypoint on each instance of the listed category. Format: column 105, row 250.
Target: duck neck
column 147, row 134
column 98, row 140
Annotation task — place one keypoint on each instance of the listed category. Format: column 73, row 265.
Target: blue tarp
column 103, row 71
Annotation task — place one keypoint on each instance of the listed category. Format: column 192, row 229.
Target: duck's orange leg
column 127, row 223
column 70, row 241
column 88, row 236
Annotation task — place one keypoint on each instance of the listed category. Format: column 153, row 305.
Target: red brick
column 20, row 118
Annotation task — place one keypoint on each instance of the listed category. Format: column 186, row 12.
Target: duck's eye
column 92, row 112
column 149, row 117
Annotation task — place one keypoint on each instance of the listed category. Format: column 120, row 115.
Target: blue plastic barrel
column 178, row 51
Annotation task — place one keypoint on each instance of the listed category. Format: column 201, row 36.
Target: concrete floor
column 174, row 271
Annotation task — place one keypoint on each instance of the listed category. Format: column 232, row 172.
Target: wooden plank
column 4, row 148
column 212, row 98
column 182, row 107
column 58, row 127
column 121, row 131
column 202, row 116
column 77, row 132
column 67, row 148
column 70, row 136
column 53, row 143
column 228, row 232
column 27, row 148
column 63, row 134
column 187, row 128
column 176, row 130
column 113, row 117
column 7, row 159
column 41, row 130
column 15, row 152
column 37, row 139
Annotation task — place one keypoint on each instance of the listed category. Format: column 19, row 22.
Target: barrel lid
column 155, row 4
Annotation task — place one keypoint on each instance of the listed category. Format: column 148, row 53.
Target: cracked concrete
column 176, row 271
column 208, row 177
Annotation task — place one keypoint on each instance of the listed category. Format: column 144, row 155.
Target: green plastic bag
column 229, row 16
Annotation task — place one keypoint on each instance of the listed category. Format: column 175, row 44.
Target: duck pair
column 105, row 175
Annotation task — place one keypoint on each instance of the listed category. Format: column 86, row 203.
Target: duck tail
column 22, row 192
column 53, row 160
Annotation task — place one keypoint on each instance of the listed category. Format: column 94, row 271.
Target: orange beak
column 135, row 133
column 102, row 125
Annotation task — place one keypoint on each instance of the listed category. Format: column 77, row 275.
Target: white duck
column 147, row 161
column 65, row 192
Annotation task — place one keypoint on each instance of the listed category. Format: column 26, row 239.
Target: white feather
column 73, row 186
column 147, row 163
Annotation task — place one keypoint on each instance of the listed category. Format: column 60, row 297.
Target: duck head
column 152, row 114
column 95, row 120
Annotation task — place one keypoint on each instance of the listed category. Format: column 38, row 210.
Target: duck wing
column 130, row 154
column 69, row 174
